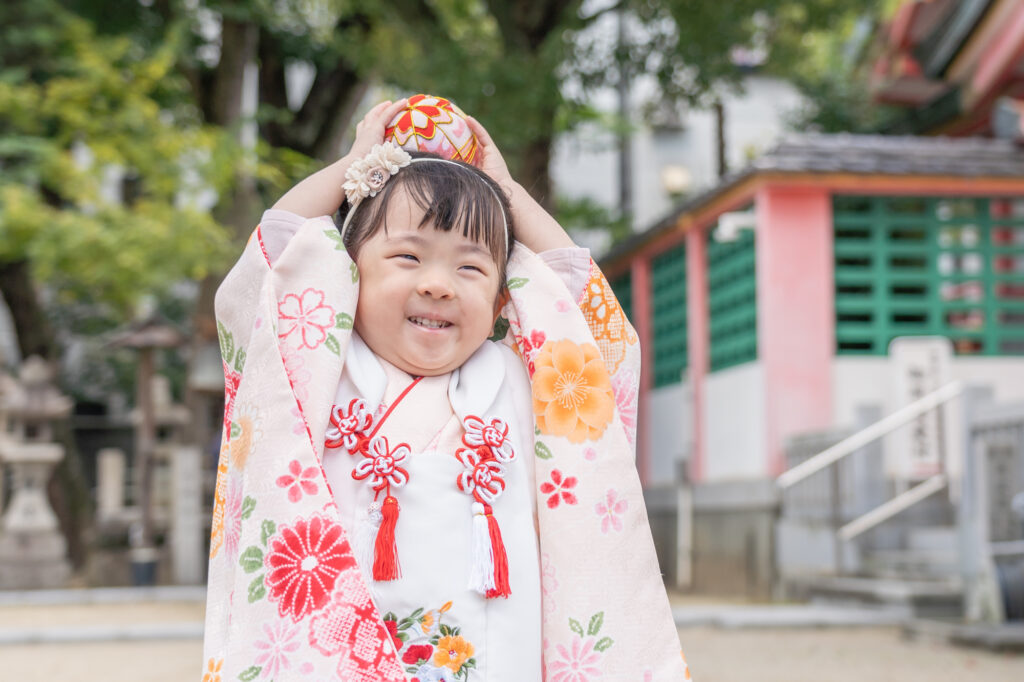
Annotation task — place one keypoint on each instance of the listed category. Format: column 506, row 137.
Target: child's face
column 427, row 298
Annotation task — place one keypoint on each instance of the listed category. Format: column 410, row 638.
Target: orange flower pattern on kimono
column 212, row 673
column 607, row 322
column 452, row 652
column 572, row 394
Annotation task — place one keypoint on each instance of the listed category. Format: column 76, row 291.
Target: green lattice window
column 732, row 300
column 622, row 287
column 938, row 266
column 668, row 281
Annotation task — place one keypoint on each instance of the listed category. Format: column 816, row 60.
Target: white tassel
column 481, row 569
column 364, row 541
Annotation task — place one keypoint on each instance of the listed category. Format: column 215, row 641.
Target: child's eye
column 407, row 256
column 472, row 267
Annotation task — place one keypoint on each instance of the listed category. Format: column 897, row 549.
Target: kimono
column 290, row 594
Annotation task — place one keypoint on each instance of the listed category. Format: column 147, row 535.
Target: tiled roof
column 891, row 155
column 967, row 157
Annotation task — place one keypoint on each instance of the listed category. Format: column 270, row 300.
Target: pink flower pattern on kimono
column 576, row 664
column 548, row 583
column 280, row 642
column 232, row 379
column 610, row 511
column 483, row 478
column 531, row 344
column 298, row 376
column 494, row 435
column 299, row 481
column 381, row 465
column 306, row 314
column 233, row 516
column 624, row 385
column 559, row 489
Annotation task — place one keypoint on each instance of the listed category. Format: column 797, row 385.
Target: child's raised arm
column 321, row 193
column 534, row 226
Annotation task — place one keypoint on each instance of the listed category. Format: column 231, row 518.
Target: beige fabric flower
column 368, row 175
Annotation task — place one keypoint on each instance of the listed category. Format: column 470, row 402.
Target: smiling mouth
column 429, row 324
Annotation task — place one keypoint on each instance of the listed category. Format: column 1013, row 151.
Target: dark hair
column 452, row 196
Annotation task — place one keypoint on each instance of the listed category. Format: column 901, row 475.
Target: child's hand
column 491, row 160
column 321, row 193
column 370, row 130
column 533, row 226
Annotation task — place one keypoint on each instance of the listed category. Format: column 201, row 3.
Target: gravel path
column 875, row 654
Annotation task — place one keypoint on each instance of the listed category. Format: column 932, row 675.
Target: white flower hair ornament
column 368, row 175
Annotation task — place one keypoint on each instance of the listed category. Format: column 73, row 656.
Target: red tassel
column 385, row 554
column 501, row 586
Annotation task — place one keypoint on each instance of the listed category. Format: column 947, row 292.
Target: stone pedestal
column 187, row 546
column 32, row 549
column 111, row 470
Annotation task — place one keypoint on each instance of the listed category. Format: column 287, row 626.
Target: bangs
column 453, row 199
column 453, row 196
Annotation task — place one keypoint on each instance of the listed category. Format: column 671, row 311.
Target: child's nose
column 436, row 285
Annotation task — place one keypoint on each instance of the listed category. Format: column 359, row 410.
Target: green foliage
column 587, row 214
column 77, row 111
column 833, row 77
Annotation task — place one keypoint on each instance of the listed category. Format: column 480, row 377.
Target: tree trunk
column 238, row 48
column 35, row 336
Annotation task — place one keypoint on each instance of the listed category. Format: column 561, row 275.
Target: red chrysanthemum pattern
column 303, row 563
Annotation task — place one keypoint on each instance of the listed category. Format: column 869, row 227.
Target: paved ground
column 727, row 647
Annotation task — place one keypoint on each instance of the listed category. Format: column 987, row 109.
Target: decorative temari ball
column 433, row 124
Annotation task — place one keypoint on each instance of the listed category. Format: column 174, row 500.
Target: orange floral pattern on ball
column 572, row 393
column 607, row 322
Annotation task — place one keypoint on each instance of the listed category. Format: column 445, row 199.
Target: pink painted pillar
column 697, row 341
column 796, row 312
column 641, row 288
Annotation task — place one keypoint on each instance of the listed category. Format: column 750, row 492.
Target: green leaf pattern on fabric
column 333, row 345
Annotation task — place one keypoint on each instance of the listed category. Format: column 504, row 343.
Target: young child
column 398, row 497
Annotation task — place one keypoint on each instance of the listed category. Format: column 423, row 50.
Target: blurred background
column 812, row 212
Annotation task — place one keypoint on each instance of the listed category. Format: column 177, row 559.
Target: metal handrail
column 881, row 428
column 886, row 511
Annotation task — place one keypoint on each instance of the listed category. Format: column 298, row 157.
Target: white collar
column 472, row 388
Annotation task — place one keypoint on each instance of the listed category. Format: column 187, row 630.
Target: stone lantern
column 146, row 337
column 32, row 549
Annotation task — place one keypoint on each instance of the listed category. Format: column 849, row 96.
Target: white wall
column 734, row 423
column 585, row 163
column 670, row 431
column 867, row 381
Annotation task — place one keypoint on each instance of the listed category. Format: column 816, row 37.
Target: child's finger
column 393, row 110
column 480, row 132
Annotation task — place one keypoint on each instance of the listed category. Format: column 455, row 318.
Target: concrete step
column 932, row 538
column 911, row 564
column 938, row 598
